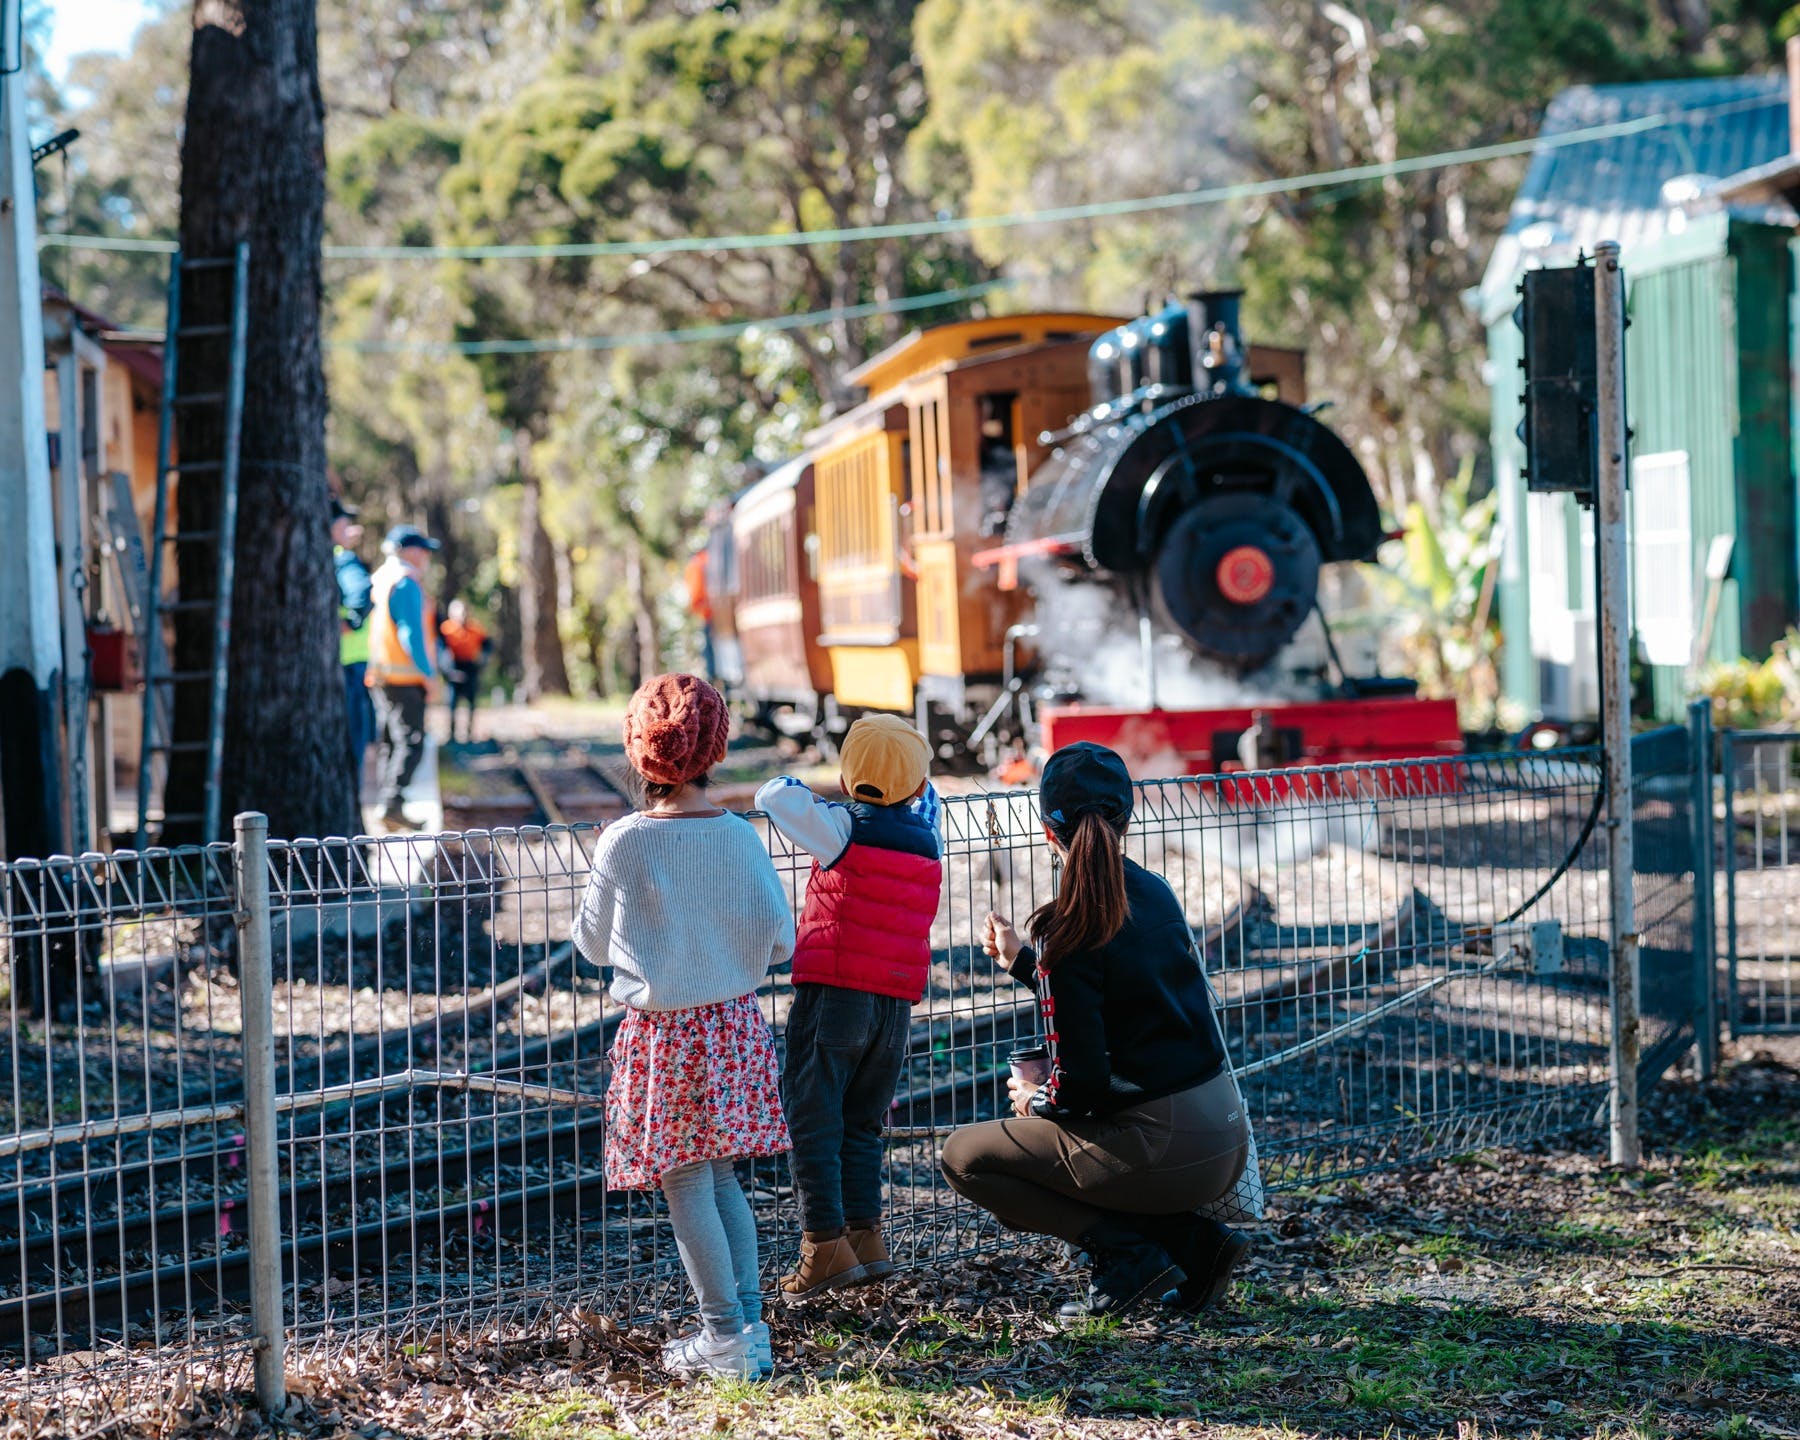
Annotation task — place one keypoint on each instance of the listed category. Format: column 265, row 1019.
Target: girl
column 685, row 905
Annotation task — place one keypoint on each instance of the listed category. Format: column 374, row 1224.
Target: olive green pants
column 1057, row 1177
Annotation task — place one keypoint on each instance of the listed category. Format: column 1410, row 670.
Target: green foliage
column 1436, row 605
column 1754, row 695
column 1049, row 102
column 506, row 121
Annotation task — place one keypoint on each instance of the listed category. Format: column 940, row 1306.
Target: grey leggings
column 716, row 1235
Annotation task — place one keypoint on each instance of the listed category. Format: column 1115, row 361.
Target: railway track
column 61, row 1270
column 522, row 783
column 325, row 1236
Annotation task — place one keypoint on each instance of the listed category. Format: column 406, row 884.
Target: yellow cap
column 884, row 760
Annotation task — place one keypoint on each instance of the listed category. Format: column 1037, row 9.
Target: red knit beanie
column 675, row 729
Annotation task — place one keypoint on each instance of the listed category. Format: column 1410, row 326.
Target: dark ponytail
column 1089, row 908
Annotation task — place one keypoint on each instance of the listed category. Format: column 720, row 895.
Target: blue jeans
column 360, row 711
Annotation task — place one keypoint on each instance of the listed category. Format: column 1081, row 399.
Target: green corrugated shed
column 1709, row 369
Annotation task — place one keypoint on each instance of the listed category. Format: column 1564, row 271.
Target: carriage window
column 999, row 461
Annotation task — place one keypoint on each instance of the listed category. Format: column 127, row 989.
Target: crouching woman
column 1140, row 1123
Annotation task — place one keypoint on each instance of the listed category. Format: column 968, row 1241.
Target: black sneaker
column 1125, row 1268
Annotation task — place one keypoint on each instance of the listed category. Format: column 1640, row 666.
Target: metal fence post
column 256, row 995
column 1612, row 558
column 1706, row 959
column 1728, row 765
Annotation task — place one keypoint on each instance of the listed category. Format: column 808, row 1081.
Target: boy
column 860, row 965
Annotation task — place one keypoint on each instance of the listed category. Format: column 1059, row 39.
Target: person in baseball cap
column 356, row 598
column 408, row 537
column 883, row 760
column 402, row 667
column 860, row 965
column 1139, row 1125
column 1084, row 779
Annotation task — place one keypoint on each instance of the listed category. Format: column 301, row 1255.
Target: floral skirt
column 691, row 1085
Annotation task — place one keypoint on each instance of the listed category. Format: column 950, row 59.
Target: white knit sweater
column 687, row 910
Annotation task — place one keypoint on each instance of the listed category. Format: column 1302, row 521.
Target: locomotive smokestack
column 1217, row 340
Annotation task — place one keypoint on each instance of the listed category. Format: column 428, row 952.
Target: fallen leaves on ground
column 1511, row 1292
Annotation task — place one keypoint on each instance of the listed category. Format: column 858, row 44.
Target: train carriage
column 911, row 484
column 784, row 672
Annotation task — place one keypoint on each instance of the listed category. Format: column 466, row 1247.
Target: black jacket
column 1130, row 1021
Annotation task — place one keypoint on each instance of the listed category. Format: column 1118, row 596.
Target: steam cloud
column 1090, row 633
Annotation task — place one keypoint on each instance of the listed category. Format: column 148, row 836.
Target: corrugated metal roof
column 1612, row 188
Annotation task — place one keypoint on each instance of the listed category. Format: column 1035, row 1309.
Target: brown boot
column 865, row 1240
column 826, row 1263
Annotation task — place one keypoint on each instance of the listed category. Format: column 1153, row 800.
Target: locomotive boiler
column 1209, row 509
column 1192, row 493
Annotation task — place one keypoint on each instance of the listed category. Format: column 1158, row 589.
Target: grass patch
column 867, row 1407
column 575, row 1415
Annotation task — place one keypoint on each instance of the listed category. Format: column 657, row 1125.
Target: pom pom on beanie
column 675, row 729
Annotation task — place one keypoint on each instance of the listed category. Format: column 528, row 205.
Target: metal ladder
column 162, row 682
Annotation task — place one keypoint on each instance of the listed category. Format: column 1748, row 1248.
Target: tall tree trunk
column 253, row 169
column 545, row 672
column 643, row 614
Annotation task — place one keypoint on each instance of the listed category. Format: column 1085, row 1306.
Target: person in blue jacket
column 356, row 598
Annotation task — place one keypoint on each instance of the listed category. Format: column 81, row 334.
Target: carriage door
column 934, row 532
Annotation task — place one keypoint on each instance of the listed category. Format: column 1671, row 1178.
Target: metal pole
column 256, row 995
column 72, row 552
column 1706, row 960
column 31, row 805
column 1728, row 777
column 1147, row 651
column 1615, row 663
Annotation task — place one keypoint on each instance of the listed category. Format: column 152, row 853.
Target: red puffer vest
column 867, row 920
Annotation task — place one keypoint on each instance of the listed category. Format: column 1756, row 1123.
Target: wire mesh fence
column 1761, row 858
column 1409, row 959
column 121, row 1140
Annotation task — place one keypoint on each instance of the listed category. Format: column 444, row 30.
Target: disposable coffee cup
column 1030, row 1065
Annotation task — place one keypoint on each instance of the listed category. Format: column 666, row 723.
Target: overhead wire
column 1322, row 184
column 962, row 224
column 691, row 335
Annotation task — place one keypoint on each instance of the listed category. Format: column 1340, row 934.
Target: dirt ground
column 1506, row 1293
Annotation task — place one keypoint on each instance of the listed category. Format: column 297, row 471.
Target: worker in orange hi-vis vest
column 402, row 674
column 701, row 606
column 467, row 646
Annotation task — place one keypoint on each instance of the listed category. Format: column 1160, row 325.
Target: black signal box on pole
column 1560, row 429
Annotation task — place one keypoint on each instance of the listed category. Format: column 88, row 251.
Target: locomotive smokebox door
column 1236, row 575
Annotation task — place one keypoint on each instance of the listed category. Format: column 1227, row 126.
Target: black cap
column 408, row 537
column 342, row 509
column 1084, row 778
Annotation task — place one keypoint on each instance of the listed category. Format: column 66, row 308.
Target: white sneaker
column 704, row 1353
column 764, row 1350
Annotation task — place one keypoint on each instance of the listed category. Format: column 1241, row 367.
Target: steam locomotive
column 915, row 558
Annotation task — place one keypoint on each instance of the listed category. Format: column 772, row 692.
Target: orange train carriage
column 1159, row 458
